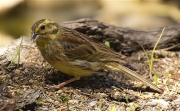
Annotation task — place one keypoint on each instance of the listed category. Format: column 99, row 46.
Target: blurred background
column 17, row 16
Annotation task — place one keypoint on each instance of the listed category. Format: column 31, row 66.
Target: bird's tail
column 112, row 66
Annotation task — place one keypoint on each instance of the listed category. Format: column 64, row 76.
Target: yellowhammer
column 73, row 53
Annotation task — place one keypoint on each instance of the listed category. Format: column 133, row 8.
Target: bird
column 73, row 53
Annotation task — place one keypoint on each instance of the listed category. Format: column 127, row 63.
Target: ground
column 26, row 86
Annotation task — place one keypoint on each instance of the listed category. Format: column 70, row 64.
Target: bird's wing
column 77, row 46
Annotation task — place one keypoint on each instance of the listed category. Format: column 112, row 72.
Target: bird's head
column 44, row 28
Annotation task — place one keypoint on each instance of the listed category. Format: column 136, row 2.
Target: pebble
column 93, row 103
column 159, row 102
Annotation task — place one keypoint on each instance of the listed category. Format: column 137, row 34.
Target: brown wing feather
column 77, row 46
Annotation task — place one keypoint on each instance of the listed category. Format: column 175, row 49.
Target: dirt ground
column 26, row 86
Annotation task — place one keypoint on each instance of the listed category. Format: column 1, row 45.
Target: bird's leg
column 61, row 85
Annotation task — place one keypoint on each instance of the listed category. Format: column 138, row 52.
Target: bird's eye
column 42, row 27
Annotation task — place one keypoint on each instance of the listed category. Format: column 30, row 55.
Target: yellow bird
column 74, row 54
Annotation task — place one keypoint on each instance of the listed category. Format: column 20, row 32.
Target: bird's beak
column 35, row 37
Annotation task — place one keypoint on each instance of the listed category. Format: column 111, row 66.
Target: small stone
column 93, row 103
column 59, row 92
column 50, row 93
column 56, row 102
